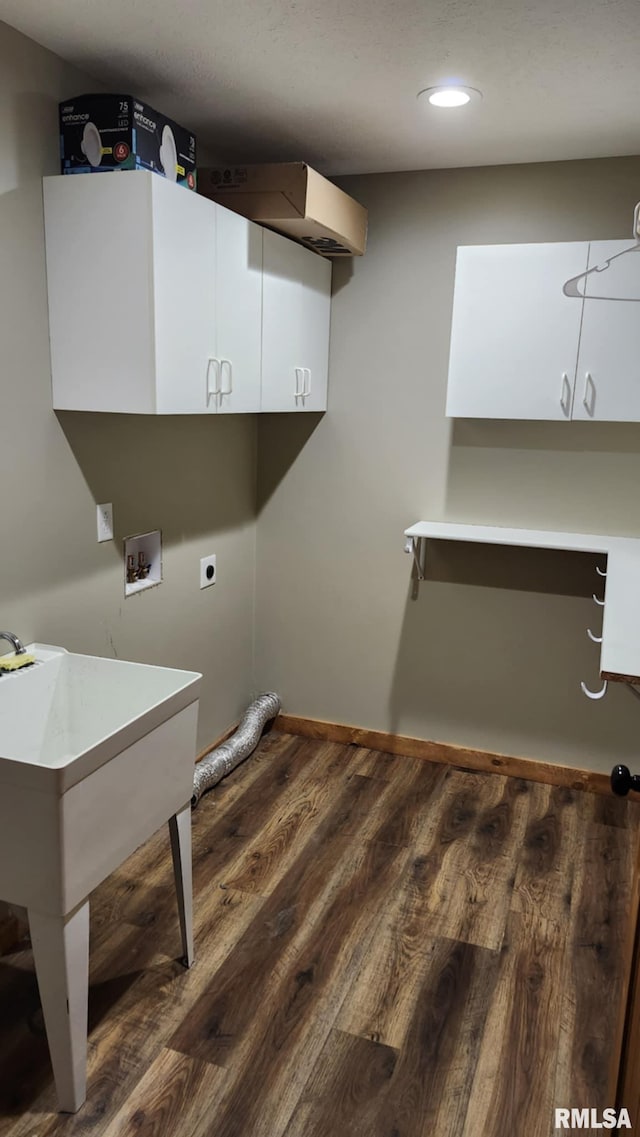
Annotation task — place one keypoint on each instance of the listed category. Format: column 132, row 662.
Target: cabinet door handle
column 213, row 367
column 226, row 363
column 589, row 396
column 307, row 382
column 299, row 391
column 565, row 394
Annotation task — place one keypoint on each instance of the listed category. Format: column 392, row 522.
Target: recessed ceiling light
column 449, row 95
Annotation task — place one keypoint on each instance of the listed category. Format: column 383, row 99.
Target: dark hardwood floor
column 385, row 947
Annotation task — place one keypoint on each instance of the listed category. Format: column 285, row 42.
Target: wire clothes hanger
column 582, row 285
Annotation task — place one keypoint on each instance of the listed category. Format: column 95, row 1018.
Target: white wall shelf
column 620, row 649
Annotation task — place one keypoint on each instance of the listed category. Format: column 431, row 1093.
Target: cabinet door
column 184, row 250
column 98, row 237
column 514, row 335
column 295, row 326
column 608, row 377
column 238, row 311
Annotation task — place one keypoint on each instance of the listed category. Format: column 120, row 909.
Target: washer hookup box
column 103, row 133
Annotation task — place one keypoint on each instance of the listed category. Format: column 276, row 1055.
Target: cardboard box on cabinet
column 103, row 133
column 293, row 199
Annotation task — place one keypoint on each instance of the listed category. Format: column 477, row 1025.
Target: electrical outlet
column 208, row 571
column 105, row 522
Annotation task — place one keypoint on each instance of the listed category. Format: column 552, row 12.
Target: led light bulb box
column 103, row 133
column 293, row 199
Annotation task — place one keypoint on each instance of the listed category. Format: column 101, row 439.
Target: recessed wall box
column 142, row 561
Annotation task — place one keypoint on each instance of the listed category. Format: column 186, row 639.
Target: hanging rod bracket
column 411, row 545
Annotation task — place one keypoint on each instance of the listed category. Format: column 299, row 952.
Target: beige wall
column 192, row 478
column 492, row 651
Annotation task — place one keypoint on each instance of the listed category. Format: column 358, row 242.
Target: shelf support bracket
column 411, row 546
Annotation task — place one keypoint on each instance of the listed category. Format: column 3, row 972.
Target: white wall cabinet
column 523, row 349
column 514, row 335
column 131, row 292
column 156, row 303
column 608, row 375
column 238, row 319
column 295, row 327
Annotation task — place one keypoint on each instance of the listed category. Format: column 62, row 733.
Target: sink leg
column 61, row 953
column 180, row 831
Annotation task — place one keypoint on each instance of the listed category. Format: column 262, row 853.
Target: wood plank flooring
column 385, row 947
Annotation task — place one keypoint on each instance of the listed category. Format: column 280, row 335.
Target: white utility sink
column 68, row 714
column 95, row 754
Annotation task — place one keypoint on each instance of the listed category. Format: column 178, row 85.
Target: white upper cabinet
column 608, row 376
column 295, row 326
column 131, row 290
column 156, row 303
column 238, row 290
column 549, row 331
column 514, row 335
column 181, row 301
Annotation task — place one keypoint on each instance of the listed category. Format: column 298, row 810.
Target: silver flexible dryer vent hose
column 221, row 761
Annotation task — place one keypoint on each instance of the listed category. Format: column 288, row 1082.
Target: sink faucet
column 18, row 646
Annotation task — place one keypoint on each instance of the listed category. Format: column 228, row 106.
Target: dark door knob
column 622, row 780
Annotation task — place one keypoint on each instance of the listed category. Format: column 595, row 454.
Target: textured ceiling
column 334, row 82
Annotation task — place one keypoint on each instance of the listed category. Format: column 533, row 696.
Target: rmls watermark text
column 592, row 1119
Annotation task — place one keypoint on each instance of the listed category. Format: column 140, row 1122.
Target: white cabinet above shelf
column 620, row 651
column 546, row 331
